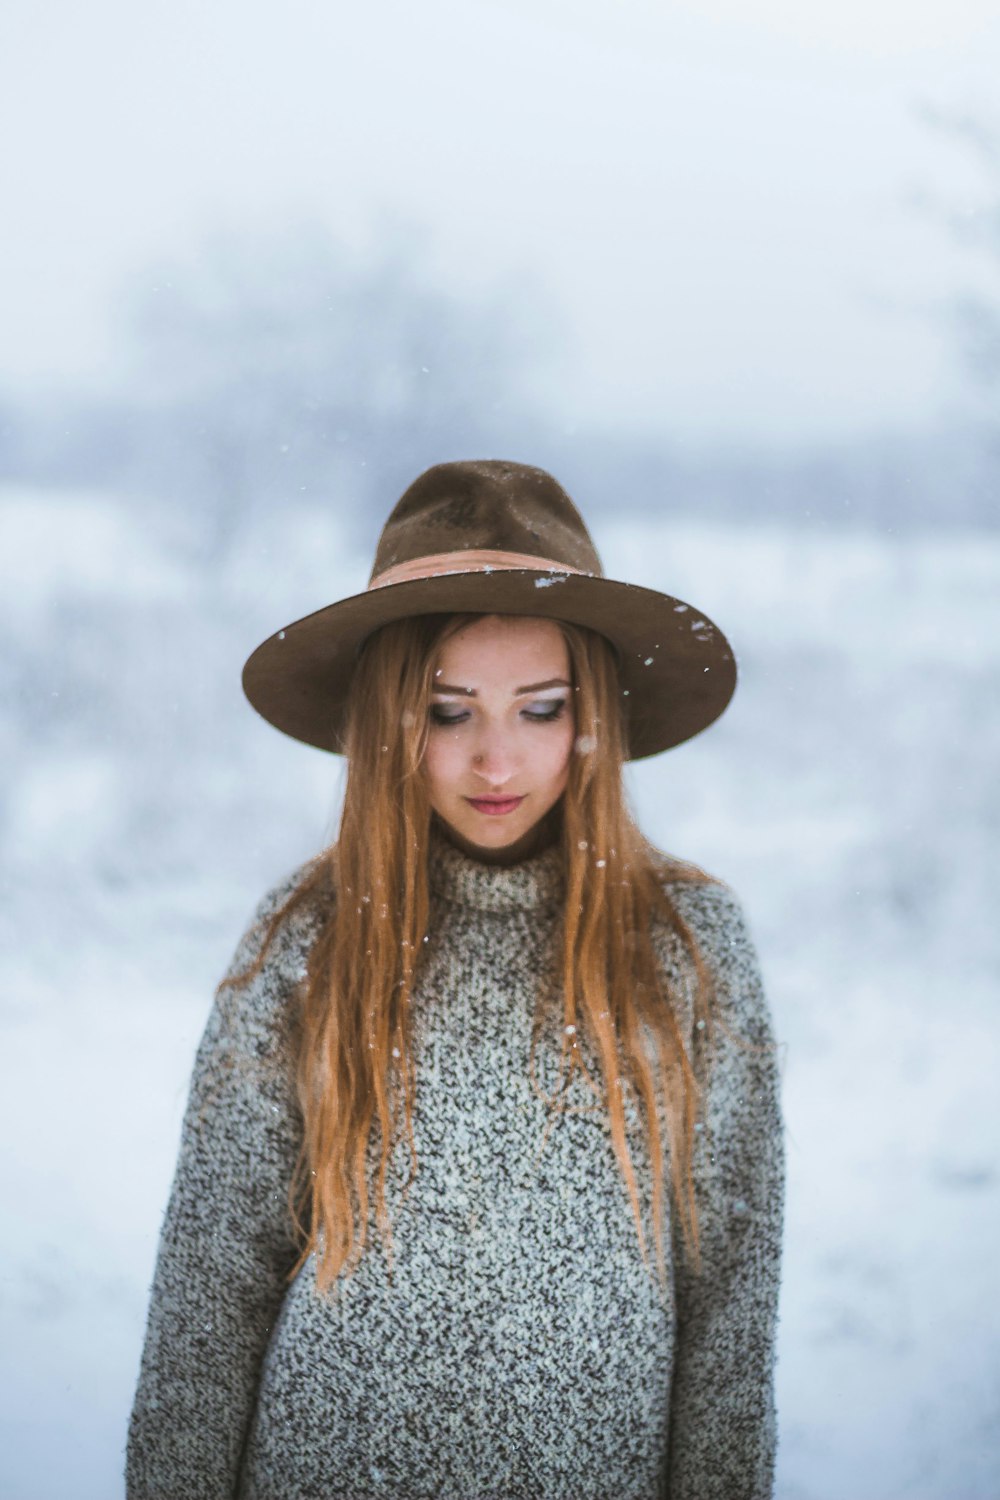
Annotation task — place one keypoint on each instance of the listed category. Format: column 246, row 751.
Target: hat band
column 485, row 560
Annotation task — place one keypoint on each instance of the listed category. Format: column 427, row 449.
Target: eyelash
column 438, row 716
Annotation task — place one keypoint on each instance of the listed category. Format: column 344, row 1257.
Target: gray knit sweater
column 522, row 1349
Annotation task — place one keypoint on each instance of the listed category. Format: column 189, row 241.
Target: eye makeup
column 446, row 714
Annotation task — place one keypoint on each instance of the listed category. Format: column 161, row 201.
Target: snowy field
column 850, row 796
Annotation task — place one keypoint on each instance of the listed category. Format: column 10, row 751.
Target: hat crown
column 486, row 504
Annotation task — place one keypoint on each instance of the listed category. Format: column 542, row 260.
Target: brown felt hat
column 493, row 537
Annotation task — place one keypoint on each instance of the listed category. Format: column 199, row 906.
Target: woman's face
column 501, row 733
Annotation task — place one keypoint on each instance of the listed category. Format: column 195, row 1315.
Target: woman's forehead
column 504, row 643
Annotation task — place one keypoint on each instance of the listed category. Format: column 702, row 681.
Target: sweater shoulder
column 712, row 910
column 709, row 907
column 294, row 929
column 315, row 905
column 254, row 1010
column 716, row 924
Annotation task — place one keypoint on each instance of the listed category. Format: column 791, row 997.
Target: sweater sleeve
column 226, row 1245
column 723, row 1432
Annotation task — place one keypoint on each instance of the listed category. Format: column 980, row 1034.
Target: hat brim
column 677, row 669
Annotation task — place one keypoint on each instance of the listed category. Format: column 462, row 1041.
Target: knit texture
column 521, row 1348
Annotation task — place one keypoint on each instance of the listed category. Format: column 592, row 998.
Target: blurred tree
column 11, row 438
column 977, row 225
column 287, row 370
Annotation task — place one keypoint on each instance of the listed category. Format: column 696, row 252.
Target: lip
column 494, row 807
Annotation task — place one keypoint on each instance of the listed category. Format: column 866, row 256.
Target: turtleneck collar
column 534, row 883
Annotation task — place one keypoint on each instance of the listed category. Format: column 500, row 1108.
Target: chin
column 492, row 837
column 497, row 837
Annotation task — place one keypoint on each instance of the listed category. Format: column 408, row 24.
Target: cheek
column 561, row 754
column 441, row 763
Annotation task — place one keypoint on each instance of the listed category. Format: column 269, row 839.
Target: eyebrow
column 532, row 687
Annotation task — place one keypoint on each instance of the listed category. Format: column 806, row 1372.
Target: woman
column 480, row 1187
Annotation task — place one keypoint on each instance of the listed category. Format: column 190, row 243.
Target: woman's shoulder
column 270, row 959
column 299, row 900
column 705, row 902
column 712, row 916
column 711, row 907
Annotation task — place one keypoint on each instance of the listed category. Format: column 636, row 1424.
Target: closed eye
column 540, row 714
column 442, row 716
column 548, row 714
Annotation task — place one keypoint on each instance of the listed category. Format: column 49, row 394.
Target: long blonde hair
column 354, row 1059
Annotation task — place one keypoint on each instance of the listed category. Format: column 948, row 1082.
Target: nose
column 493, row 759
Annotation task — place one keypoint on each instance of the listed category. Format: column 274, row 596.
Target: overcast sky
column 717, row 196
